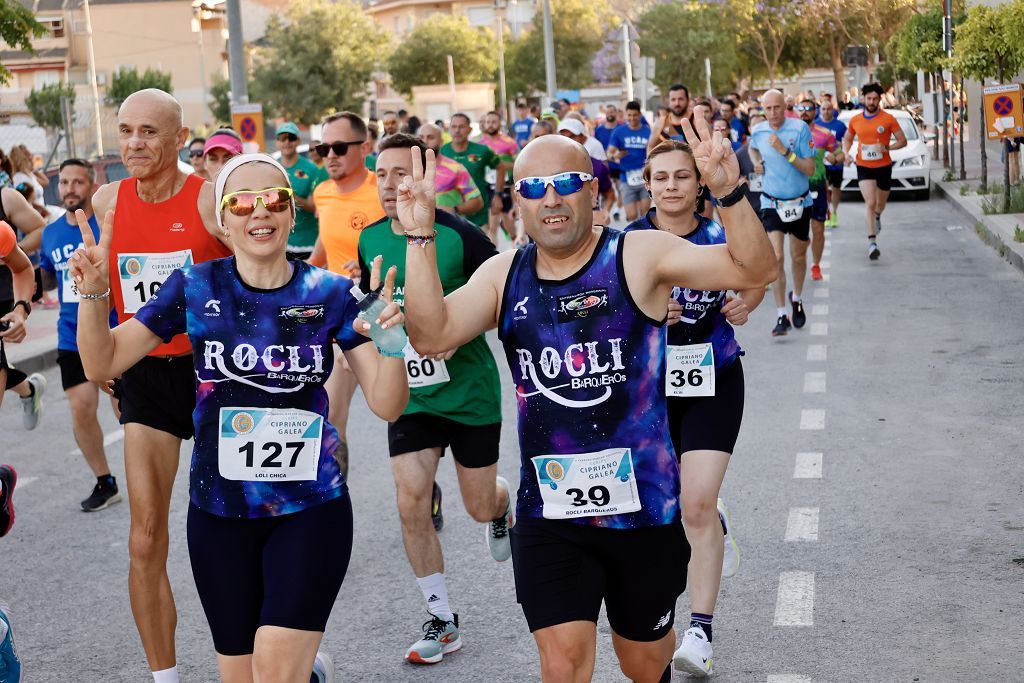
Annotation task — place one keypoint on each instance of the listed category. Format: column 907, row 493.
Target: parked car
column 108, row 169
column 911, row 164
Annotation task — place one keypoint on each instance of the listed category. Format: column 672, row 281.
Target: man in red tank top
column 163, row 219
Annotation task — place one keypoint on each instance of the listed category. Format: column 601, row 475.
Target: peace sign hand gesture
column 415, row 202
column 89, row 264
column 713, row 154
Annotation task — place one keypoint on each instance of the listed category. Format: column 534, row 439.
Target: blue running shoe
column 10, row 665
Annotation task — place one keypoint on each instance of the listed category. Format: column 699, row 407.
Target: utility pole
column 236, row 54
column 92, row 80
column 499, row 10
column 627, row 60
column 549, row 52
column 451, row 85
column 197, row 26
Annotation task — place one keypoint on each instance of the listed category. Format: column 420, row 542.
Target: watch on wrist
column 731, row 198
column 24, row 304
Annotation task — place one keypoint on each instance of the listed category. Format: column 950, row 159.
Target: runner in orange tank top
column 163, row 219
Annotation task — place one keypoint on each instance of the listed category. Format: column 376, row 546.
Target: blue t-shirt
column 702, row 319
column 839, row 128
column 634, row 143
column 783, row 180
column 521, row 130
column 61, row 239
column 261, row 358
column 737, row 132
column 604, row 134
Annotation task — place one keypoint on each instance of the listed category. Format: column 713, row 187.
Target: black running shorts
column 800, row 228
column 834, row 176
column 819, row 203
column 709, row 423
column 882, row 175
column 71, row 371
column 564, row 571
column 472, row 445
column 272, row 571
column 160, row 393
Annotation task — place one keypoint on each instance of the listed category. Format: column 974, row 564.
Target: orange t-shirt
column 343, row 216
column 873, row 136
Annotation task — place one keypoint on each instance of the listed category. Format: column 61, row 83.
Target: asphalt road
column 893, row 561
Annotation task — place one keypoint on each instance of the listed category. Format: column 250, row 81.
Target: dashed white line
column 821, row 293
column 819, row 329
column 108, row 440
column 814, row 382
column 808, row 466
column 788, row 678
column 802, row 525
column 826, row 277
column 794, row 605
column 817, row 352
column 812, row 419
column 23, row 482
column 826, row 264
column 819, row 309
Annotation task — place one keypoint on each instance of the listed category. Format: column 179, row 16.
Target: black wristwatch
column 732, row 198
column 24, row 304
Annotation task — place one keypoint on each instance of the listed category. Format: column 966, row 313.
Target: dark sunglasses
column 564, row 183
column 340, row 148
column 243, row 203
column 195, row 153
column 290, row 137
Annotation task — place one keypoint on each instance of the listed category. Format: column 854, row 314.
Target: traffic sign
column 1004, row 117
column 247, row 120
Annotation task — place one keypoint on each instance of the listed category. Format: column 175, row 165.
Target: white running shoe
column 497, row 530
column 323, row 668
column 731, row 556
column 694, row 654
column 32, row 407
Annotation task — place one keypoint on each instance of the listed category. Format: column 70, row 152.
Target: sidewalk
column 39, row 350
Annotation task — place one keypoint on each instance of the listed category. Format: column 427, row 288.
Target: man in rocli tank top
column 581, row 313
column 163, row 220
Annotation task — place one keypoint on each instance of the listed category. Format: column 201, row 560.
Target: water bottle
column 388, row 339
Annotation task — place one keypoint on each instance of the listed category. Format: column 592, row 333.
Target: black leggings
column 278, row 571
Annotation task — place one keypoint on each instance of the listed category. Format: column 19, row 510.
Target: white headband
column 234, row 163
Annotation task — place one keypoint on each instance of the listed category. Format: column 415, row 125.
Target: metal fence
column 79, row 136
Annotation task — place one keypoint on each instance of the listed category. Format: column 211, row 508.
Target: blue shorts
column 819, row 206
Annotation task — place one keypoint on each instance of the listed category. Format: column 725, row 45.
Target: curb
column 37, row 362
column 995, row 230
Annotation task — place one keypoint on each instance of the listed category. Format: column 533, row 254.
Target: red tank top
column 150, row 241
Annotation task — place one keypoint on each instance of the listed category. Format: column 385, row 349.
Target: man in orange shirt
column 345, row 203
column 875, row 128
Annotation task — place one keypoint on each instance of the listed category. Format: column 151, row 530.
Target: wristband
column 420, row 240
column 24, row 304
column 791, row 157
column 731, row 198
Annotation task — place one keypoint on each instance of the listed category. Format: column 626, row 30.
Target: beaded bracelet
column 420, row 240
column 91, row 297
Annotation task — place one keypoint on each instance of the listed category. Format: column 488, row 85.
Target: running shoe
column 874, row 252
column 8, row 480
column 731, row 556
column 103, row 496
column 32, row 407
column 799, row 317
column 323, row 669
column 10, row 665
column 436, row 516
column 498, row 540
column 694, row 654
column 815, row 272
column 440, row 638
column 781, row 327
column 832, row 221
column 878, row 224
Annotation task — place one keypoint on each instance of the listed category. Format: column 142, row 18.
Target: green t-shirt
column 304, row 176
column 477, row 159
column 371, row 162
column 472, row 395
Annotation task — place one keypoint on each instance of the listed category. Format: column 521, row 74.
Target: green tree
column 421, row 58
column 18, row 26
column 127, row 80
column 318, row 59
column 680, row 35
column 578, row 28
column 45, row 104
column 764, row 28
column 988, row 45
column 220, row 100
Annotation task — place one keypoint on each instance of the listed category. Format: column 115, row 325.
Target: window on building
column 480, row 16
column 43, row 78
column 54, row 25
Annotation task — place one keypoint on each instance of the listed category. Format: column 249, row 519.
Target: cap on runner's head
column 548, row 113
column 234, row 163
column 223, row 141
column 574, row 126
column 288, row 127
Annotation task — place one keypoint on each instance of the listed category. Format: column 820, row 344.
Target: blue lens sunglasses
column 564, row 183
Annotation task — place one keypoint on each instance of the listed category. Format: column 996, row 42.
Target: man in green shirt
column 477, row 159
column 454, row 401
column 304, row 176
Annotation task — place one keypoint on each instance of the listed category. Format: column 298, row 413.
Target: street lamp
column 499, row 9
column 199, row 13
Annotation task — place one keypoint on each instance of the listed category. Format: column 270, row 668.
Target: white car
column 911, row 164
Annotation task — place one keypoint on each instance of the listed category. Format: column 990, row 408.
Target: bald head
column 774, row 104
column 155, row 102
column 432, row 136
column 551, row 154
column 150, row 133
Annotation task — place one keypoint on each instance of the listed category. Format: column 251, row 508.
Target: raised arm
column 24, row 217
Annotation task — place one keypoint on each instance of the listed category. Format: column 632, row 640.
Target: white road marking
column 808, row 466
column 817, row 352
column 794, row 605
column 821, row 293
column 788, row 678
column 826, row 264
column 812, row 419
column 802, row 525
column 819, row 329
column 108, row 440
column 23, row 482
column 826, row 277
column 819, row 309
column 814, row 382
